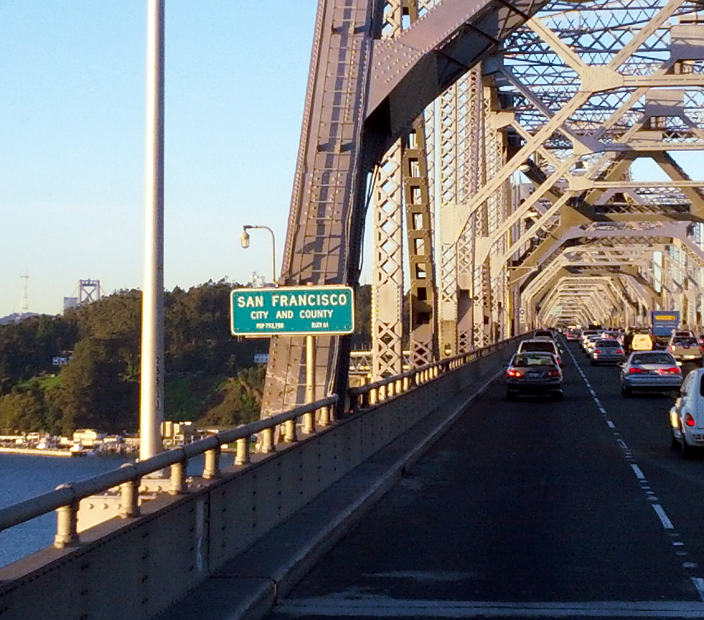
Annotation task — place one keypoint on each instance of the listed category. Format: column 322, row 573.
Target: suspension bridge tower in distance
column 88, row 291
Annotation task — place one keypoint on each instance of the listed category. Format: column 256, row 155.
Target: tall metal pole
column 152, row 385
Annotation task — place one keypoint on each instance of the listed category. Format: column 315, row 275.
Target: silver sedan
column 650, row 370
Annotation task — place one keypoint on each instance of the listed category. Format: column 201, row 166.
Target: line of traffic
column 677, row 544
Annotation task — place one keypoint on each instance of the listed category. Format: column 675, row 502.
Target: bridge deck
column 249, row 584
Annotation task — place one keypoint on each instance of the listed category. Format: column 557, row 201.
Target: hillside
column 211, row 377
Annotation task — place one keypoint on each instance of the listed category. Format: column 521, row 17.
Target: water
column 23, row 476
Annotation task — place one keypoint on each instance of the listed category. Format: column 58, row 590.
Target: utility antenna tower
column 24, row 304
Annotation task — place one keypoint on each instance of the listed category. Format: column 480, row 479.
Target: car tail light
column 675, row 370
column 554, row 373
column 672, row 348
column 688, row 419
column 619, row 351
column 597, row 351
column 512, row 372
column 636, row 371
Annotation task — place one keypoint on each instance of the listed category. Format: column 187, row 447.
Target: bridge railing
column 373, row 393
column 305, row 420
column 65, row 499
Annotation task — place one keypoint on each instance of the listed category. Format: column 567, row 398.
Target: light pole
column 244, row 242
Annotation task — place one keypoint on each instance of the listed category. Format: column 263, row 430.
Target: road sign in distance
column 302, row 310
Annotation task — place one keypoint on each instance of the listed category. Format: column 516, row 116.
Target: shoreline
column 42, row 452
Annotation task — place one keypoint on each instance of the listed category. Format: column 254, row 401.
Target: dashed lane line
column 665, row 521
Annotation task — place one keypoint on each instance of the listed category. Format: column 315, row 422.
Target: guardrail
column 306, row 419
column 66, row 497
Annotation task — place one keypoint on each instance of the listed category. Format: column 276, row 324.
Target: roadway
column 532, row 508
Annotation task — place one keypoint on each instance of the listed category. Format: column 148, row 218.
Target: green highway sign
column 289, row 311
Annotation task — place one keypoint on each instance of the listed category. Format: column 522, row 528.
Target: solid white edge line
column 699, row 585
column 411, row 608
column 662, row 515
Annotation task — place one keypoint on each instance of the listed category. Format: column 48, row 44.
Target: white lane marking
column 382, row 607
column 637, row 471
column 610, row 424
column 699, row 585
column 662, row 515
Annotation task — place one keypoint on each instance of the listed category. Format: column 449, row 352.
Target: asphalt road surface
column 530, row 509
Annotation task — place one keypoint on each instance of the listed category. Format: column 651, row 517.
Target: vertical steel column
column 387, row 276
column 152, row 359
column 326, row 219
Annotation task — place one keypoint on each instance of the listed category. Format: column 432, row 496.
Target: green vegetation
column 210, row 376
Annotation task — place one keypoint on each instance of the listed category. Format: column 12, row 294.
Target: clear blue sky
column 72, row 140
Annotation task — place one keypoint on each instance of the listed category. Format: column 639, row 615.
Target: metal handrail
column 65, row 498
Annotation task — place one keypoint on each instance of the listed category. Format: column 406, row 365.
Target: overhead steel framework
column 499, row 146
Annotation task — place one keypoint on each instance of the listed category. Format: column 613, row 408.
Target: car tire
column 674, row 444
column 558, row 396
column 626, row 391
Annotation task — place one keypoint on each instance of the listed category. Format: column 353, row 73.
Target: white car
column 687, row 415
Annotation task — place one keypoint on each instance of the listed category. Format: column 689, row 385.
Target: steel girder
column 364, row 92
column 591, row 88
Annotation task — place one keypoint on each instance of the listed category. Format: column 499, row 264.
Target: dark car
column 534, row 372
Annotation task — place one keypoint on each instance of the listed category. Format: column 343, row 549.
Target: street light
column 244, row 242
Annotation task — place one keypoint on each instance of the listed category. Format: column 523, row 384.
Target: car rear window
column 538, row 346
column 533, row 360
column 607, row 343
column 655, row 358
column 682, row 342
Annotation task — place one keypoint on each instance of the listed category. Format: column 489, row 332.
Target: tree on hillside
column 93, row 391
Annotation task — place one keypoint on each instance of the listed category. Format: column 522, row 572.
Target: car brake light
column 554, row 373
column 688, row 419
column 635, row 371
column 619, row 351
column 674, row 370
column 597, row 351
column 672, row 348
column 512, row 372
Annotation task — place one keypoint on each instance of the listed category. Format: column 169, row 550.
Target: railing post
column 66, row 523
column 308, row 427
column 211, row 469
column 178, row 478
column 406, row 384
column 267, row 440
column 374, row 396
column 242, row 451
column 324, row 417
column 290, row 431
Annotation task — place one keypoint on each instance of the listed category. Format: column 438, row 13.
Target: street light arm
column 246, row 227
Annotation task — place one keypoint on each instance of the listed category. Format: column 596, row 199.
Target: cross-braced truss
column 538, row 116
